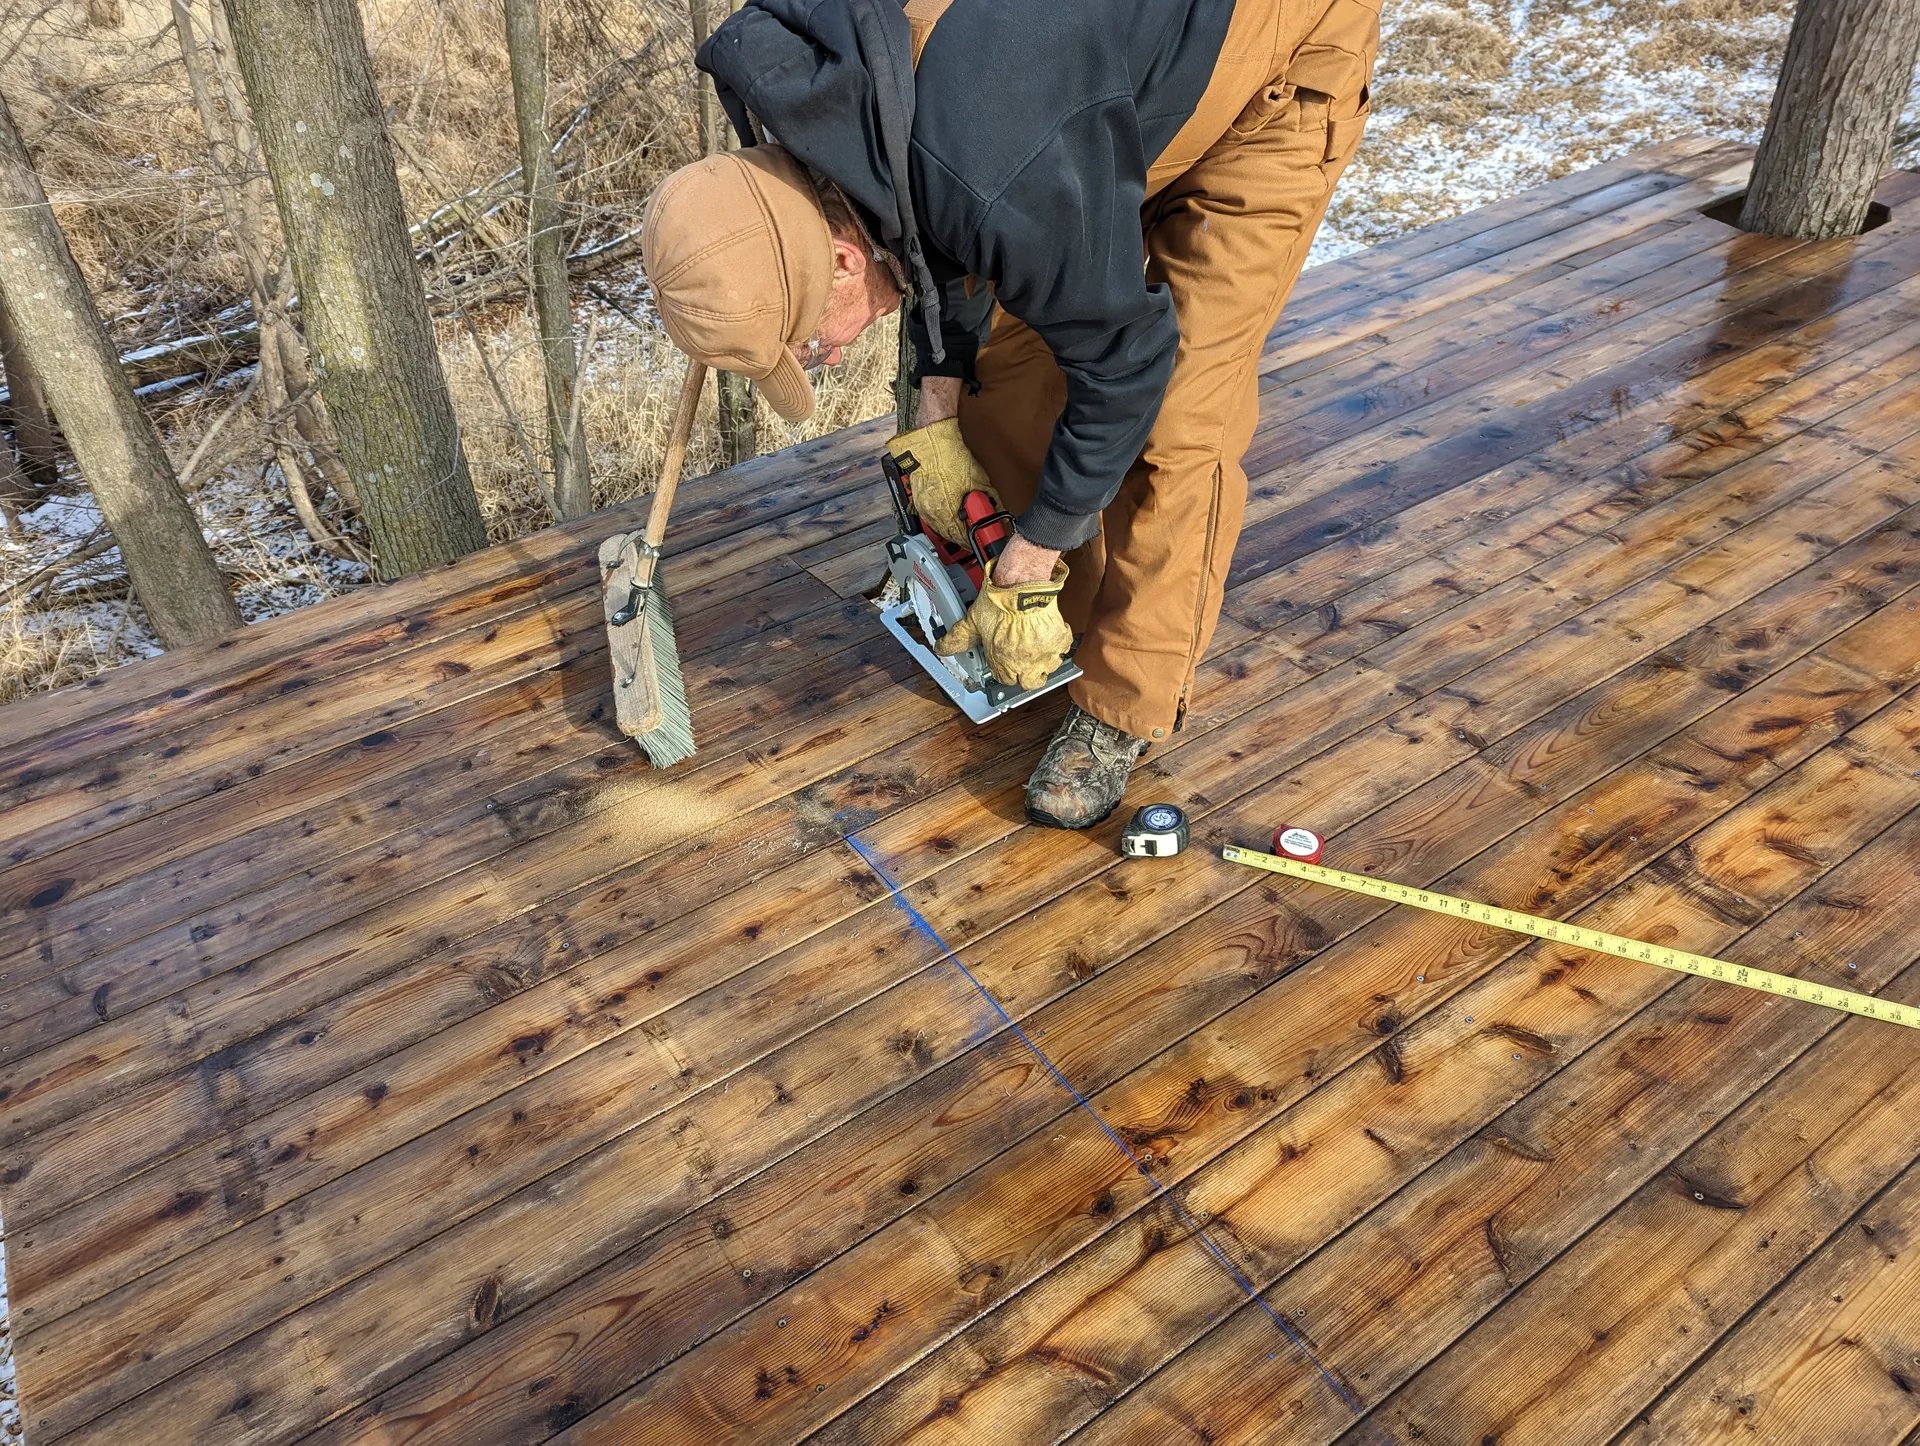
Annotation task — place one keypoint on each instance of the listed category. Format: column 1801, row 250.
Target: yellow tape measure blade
column 1660, row 956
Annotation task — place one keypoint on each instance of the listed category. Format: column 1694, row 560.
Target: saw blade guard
column 931, row 582
column 937, row 595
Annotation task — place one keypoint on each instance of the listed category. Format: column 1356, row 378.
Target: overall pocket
column 1346, row 120
column 1269, row 101
column 1329, row 71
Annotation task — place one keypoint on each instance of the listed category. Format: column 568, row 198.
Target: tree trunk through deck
column 1845, row 78
column 527, row 59
column 310, row 84
column 167, row 558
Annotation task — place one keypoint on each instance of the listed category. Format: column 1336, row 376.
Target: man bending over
column 1092, row 212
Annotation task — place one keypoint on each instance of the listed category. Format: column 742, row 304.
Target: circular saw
column 932, row 581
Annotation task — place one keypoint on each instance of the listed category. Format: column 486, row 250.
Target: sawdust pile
column 655, row 811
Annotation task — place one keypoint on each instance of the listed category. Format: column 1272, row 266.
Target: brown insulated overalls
column 1232, row 206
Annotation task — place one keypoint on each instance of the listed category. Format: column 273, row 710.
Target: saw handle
column 988, row 527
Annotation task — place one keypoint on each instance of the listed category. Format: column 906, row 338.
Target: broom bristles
column 659, row 692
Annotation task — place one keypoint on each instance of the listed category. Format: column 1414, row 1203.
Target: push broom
column 649, row 695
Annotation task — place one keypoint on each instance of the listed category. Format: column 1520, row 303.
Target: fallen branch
column 607, row 298
column 490, row 230
column 504, row 186
column 496, row 285
column 96, row 542
column 112, row 590
column 216, row 355
column 212, row 353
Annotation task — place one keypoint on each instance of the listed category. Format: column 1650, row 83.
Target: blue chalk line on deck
column 1185, row 1216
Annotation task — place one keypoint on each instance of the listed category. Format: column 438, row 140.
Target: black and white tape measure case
column 1157, row 831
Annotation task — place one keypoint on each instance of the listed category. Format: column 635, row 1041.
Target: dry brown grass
column 1447, row 43
column 34, row 660
column 116, row 145
column 1734, row 13
column 1702, row 42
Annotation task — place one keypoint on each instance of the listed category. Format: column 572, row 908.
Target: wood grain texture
column 1834, row 1344
column 388, row 1054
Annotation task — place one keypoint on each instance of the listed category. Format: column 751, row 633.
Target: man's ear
column 849, row 259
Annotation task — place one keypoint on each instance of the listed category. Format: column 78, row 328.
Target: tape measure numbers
column 1784, row 985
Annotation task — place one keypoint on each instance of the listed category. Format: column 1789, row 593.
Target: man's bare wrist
column 1021, row 561
column 939, row 399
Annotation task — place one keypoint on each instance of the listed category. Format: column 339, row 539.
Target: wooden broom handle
column 676, row 454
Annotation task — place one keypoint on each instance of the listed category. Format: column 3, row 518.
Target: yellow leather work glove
column 1020, row 629
column 947, row 472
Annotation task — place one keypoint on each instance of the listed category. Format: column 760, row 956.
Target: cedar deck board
column 1604, row 590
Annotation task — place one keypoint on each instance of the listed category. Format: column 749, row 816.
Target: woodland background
column 1474, row 100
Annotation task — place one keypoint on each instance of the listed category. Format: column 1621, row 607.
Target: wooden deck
column 386, row 1053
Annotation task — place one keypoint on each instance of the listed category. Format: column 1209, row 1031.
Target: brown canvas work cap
column 741, row 263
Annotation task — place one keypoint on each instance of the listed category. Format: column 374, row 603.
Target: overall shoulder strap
column 922, row 16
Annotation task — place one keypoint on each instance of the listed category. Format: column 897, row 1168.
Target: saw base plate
column 979, row 706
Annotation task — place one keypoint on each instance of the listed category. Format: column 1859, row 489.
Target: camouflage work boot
column 1083, row 773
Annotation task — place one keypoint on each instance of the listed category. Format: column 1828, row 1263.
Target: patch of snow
column 1584, row 82
column 166, row 348
column 271, row 563
column 54, row 520
column 257, row 537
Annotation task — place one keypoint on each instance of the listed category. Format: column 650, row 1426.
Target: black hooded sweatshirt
column 1024, row 140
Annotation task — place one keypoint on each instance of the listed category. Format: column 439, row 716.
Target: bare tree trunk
column 233, row 151
column 1830, row 134
column 167, row 558
column 28, row 416
column 552, row 301
column 739, row 430
column 699, row 13
column 739, row 439
column 310, row 86
column 307, row 411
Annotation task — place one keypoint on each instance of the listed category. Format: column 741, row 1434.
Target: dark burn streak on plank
column 1600, row 589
